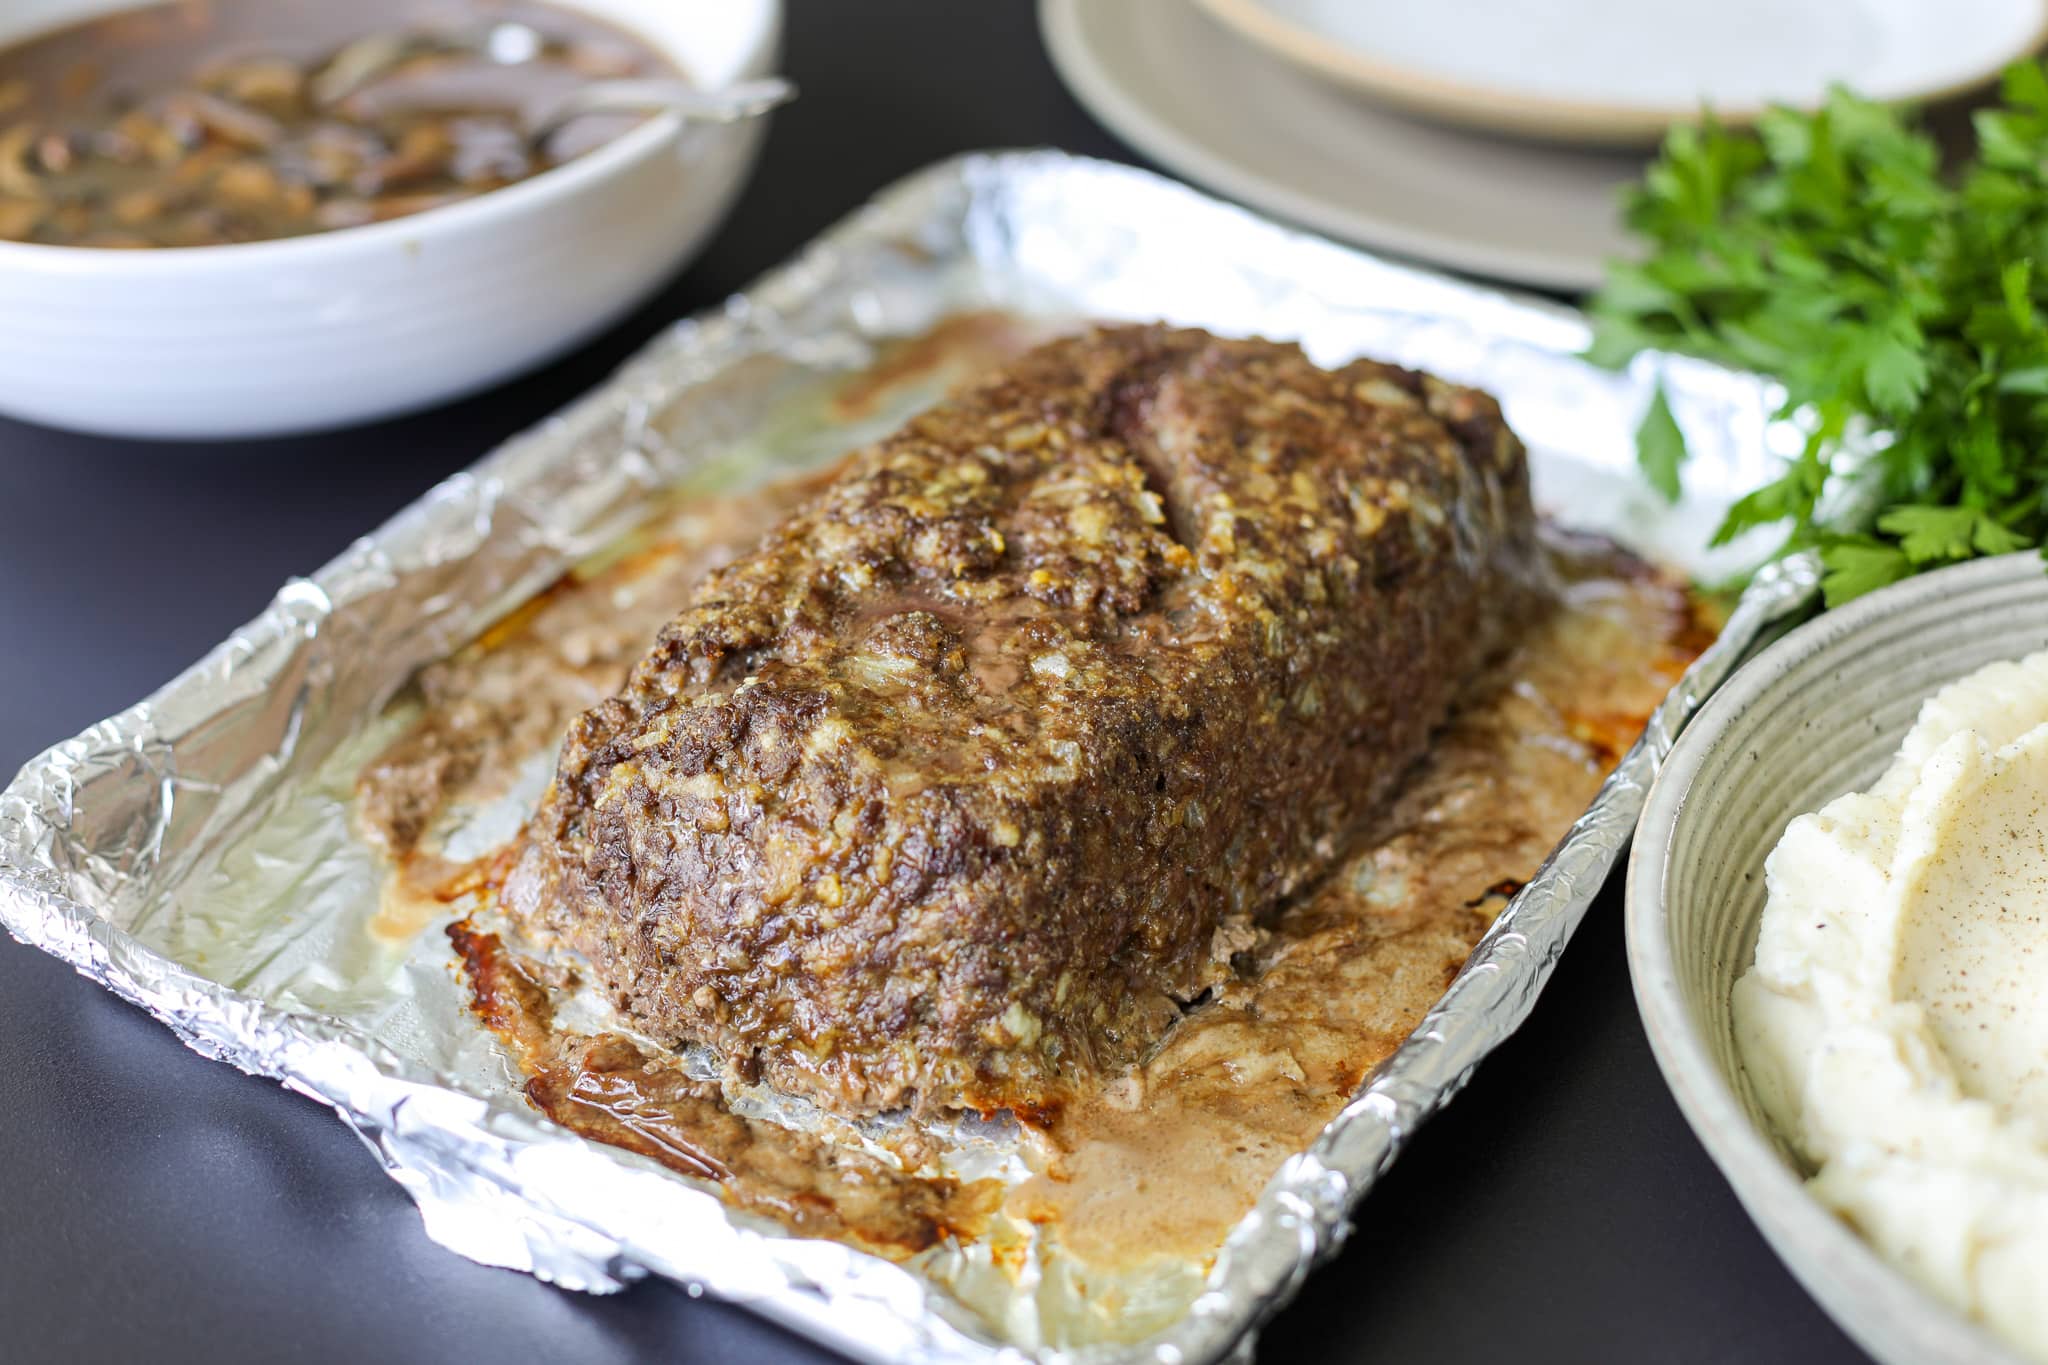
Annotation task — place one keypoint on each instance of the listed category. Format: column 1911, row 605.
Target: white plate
column 1624, row 70
column 1184, row 91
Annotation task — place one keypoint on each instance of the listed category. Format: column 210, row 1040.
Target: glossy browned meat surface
column 986, row 758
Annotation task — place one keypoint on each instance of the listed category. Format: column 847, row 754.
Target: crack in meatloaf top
column 988, row 756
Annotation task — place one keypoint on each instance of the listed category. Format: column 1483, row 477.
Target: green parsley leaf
column 2014, row 280
column 1660, row 446
column 1993, row 538
column 1931, row 535
column 1774, row 502
column 1855, row 567
column 1894, row 370
column 1902, row 305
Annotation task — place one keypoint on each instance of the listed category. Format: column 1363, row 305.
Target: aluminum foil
column 193, row 853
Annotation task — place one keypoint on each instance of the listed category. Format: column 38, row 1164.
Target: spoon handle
column 728, row 104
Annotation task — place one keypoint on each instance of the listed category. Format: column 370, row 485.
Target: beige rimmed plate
column 1816, row 715
column 1188, row 93
column 1620, row 72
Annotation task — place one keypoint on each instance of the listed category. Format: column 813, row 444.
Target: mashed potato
column 1895, row 1023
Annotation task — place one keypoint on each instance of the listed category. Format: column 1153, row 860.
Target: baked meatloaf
column 995, row 752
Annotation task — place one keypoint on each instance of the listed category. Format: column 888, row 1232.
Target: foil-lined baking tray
column 194, row 855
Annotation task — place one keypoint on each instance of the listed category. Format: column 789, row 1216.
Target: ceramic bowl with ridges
column 1818, row 714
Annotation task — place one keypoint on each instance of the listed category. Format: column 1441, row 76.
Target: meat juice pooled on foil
column 1235, row 694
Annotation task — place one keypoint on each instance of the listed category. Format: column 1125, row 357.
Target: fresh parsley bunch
column 1830, row 251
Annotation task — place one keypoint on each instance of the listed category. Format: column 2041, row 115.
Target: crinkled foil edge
column 495, row 1182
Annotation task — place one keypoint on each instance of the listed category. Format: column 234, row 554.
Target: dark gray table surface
column 156, row 1206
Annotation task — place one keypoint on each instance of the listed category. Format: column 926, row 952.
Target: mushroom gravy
column 208, row 122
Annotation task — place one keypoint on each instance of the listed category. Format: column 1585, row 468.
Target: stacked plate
column 1491, row 136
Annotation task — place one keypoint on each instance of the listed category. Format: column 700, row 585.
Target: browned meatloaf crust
column 952, row 787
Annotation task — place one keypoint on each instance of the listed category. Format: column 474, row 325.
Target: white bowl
column 1818, row 714
column 263, row 338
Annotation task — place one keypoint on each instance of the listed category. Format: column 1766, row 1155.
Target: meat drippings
column 961, row 342
column 511, row 693
column 1173, row 1154
column 1165, row 1158
column 1168, row 1154
column 611, row 1090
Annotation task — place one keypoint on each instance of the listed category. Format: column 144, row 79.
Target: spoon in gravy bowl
column 731, row 104
column 358, row 63
column 509, row 43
